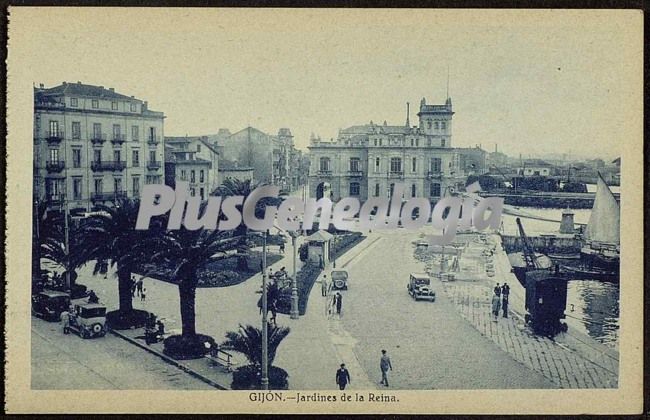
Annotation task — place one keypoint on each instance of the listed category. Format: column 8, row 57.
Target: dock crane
column 528, row 251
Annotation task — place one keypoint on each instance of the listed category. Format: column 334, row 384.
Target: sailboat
column 602, row 235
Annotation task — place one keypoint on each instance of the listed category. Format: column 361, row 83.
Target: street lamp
column 294, row 314
column 265, row 338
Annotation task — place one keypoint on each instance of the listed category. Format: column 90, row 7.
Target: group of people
column 137, row 288
column 336, row 304
column 500, row 300
column 343, row 375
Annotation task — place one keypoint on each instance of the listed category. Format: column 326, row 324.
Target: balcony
column 117, row 165
column 98, row 139
column 55, row 166
column 396, row 174
column 434, row 174
column 112, row 196
column 54, row 136
column 118, row 139
column 153, row 165
column 324, row 173
column 355, row 174
column 54, row 199
column 153, row 140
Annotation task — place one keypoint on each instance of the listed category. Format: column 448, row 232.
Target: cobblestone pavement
column 61, row 361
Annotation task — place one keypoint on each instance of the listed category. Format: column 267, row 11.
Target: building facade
column 93, row 145
column 187, row 151
column 368, row 160
column 232, row 170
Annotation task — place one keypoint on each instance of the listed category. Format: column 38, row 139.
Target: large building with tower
column 93, row 146
column 368, row 160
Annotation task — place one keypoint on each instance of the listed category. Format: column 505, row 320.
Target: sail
column 605, row 219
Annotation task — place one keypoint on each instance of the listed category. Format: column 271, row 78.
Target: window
column 97, row 156
column 152, row 134
column 133, row 107
column 202, row 192
column 117, row 156
column 98, row 186
column 135, row 156
column 97, row 131
column 355, row 165
column 95, row 103
column 114, row 106
column 376, row 190
column 76, row 130
column 435, row 125
column 435, row 190
column 117, row 184
column 417, row 142
column 354, row 188
column 76, row 188
column 414, row 164
column 201, row 175
column 412, row 142
column 324, row 164
column 429, row 142
column 135, row 133
column 380, row 142
column 192, row 192
column 76, row 158
column 152, row 155
column 74, row 102
column 54, row 155
column 442, row 142
column 136, row 185
column 198, row 148
column 54, row 128
column 192, row 176
column 390, row 189
column 413, row 190
column 429, row 125
column 395, row 164
column 117, row 132
column 53, row 189
column 183, row 175
column 436, row 164
column 375, row 142
column 377, row 164
column 443, row 125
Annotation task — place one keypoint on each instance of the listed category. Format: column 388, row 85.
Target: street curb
column 170, row 361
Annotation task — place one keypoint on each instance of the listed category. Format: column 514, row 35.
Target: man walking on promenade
column 497, row 290
column 138, row 286
column 384, row 365
column 339, row 303
column 505, row 293
column 342, row 377
column 496, row 305
column 65, row 321
column 323, row 285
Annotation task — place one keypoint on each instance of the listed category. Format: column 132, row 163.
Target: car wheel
column 84, row 334
column 97, row 328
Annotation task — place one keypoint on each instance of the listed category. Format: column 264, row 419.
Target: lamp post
column 294, row 280
column 265, row 338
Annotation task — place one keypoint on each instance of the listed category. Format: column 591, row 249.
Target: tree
column 248, row 341
column 237, row 187
column 110, row 235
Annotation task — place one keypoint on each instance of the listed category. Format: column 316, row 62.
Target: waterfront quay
column 548, row 199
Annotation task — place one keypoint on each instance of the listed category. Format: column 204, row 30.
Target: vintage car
column 48, row 304
column 339, row 279
column 419, row 287
column 88, row 320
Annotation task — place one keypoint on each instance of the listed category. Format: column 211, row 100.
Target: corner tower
column 435, row 122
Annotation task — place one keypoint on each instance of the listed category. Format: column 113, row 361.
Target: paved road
column 68, row 362
column 431, row 346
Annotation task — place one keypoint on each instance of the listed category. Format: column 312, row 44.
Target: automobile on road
column 419, row 287
column 339, row 279
column 48, row 304
column 88, row 320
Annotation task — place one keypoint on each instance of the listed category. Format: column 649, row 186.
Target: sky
column 531, row 82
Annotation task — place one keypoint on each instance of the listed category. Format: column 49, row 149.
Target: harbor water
column 592, row 305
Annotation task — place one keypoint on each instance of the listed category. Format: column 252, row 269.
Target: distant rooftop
column 82, row 89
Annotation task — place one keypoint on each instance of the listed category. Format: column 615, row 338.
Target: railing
column 54, row 198
column 153, row 165
column 325, row 173
column 54, row 136
column 355, row 174
column 118, row 139
column 434, row 174
column 55, row 166
column 116, row 165
column 153, row 140
column 396, row 174
column 111, row 196
column 44, row 104
column 98, row 138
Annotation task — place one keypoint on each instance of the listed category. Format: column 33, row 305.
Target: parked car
column 419, row 287
column 48, row 304
column 88, row 320
column 339, row 279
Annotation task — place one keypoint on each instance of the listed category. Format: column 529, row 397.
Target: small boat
column 602, row 235
column 564, row 256
column 596, row 273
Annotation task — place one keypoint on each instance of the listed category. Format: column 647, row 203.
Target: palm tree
column 53, row 247
column 248, row 341
column 110, row 235
column 237, row 187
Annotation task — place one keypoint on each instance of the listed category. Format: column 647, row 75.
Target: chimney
column 41, row 86
column 111, row 89
column 407, row 114
column 78, row 82
column 101, row 87
column 65, row 83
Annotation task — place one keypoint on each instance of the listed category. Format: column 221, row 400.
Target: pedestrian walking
column 496, row 305
column 504, row 306
column 65, row 321
column 323, row 285
column 505, row 291
column 385, row 366
column 282, row 248
column 92, row 297
column 132, row 283
column 339, row 303
column 497, row 290
column 142, row 295
column 139, row 286
column 342, row 377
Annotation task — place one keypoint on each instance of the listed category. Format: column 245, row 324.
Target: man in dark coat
column 505, row 294
column 338, row 302
column 342, row 377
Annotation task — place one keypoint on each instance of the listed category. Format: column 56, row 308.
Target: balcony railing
column 98, row 139
column 116, row 165
column 55, row 166
column 54, row 136
column 327, row 172
column 355, row 174
column 54, row 199
column 111, row 196
column 396, row 174
column 434, row 174
column 118, row 139
column 153, row 140
column 153, row 165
